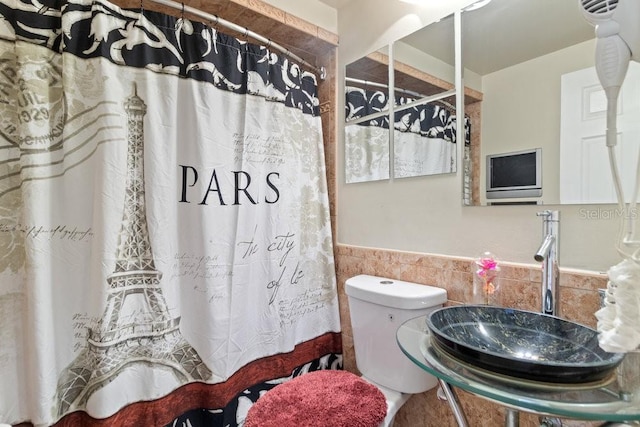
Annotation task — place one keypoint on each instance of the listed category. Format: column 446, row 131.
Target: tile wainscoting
column 519, row 287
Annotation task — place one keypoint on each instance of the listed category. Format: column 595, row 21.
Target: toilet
column 378, row 307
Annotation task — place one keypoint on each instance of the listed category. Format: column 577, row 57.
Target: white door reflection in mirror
column 585, row 175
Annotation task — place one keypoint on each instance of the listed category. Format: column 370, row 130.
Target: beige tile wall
column 519, row 287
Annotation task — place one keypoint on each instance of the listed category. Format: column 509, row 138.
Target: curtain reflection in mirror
column 424, row 140
column 424, row 137
column 367, row 141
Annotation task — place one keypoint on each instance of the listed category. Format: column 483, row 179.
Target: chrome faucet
column 548, row 255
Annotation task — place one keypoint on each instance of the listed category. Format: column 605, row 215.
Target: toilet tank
column 378, row 307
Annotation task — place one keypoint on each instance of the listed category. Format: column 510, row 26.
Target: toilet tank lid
column 394, row 293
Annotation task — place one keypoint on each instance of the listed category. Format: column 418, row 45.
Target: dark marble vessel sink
column 521, row 344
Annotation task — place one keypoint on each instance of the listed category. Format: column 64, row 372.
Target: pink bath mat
column 320, row 399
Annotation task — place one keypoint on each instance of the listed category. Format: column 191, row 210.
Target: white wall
column 425, row 214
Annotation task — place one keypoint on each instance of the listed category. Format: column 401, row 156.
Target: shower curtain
column 164, row 224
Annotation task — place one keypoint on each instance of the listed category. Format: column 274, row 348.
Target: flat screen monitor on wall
column 516, row 174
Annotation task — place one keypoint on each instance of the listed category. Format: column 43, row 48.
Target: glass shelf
column 597, row 401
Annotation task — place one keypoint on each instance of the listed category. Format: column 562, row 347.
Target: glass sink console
column 599, row 400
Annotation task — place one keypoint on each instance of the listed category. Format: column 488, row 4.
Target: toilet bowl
column 394, row 400
column 377, row 307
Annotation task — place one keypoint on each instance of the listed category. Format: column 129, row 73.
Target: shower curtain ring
column 182, row 11
column 215, row 22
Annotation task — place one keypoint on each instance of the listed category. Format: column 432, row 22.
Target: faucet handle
column 549, row 215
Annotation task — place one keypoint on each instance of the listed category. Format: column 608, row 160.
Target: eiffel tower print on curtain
column 149, row 335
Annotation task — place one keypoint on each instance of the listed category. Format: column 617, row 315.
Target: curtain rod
column 321, row 71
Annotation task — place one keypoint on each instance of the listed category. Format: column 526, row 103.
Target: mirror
column 367, row 118
column 533, row 61
column 424, row 136
column 423, row 113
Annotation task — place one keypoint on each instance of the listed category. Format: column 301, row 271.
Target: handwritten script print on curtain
column 164, row 220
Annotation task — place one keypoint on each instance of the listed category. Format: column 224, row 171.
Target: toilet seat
column 320, row 398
